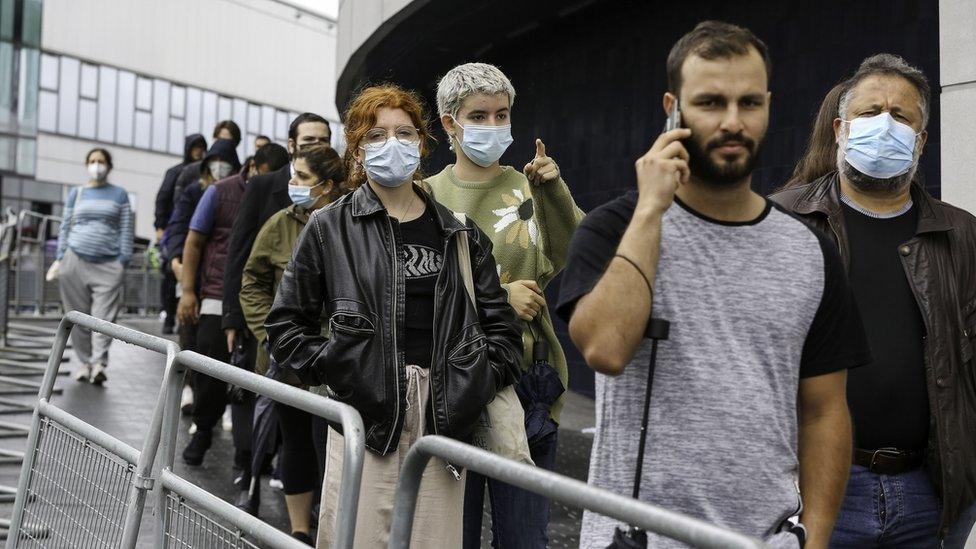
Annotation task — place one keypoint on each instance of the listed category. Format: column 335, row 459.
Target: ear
column 291, row 147
column 922, row 139
column 450, row 128
column 838, row 125
column 668, row 102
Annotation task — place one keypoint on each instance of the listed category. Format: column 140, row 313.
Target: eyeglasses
column 377, row 137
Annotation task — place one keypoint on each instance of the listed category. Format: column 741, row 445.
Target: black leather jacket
column 347, row 269
column 940, row 263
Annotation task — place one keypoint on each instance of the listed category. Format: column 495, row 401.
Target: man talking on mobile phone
column 748, row 408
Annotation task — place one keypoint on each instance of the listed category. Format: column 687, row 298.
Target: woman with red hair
column 422, row 336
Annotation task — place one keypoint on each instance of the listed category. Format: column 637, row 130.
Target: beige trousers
column 440, row 504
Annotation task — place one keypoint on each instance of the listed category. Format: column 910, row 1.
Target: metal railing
column 650, row 518
column 79, row 485
column 192, row 516
column 33, row 253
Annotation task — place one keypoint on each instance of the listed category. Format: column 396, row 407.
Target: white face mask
column 393, row 163
column 97, row 171
column 220, row 169
column 484, row 145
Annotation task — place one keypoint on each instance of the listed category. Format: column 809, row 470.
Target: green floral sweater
column 530, row 227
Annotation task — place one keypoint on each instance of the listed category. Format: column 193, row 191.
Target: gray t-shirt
column 754, row 307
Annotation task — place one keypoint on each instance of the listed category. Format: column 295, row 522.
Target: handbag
column 54, row 271
column 501, row 427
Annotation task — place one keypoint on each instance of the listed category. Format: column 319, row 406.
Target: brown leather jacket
column 940, row 262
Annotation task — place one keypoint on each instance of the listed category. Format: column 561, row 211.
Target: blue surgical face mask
column 879, row 146
column 302, row 196
column 484, row 145
column 393, row 163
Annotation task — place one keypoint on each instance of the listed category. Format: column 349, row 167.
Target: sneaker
column 98, row 374
column 303, row 537
column 192, row 429
column 197, row 448
column 226, row 422
column 83, row 373
column 276, row 484
column 186, row 401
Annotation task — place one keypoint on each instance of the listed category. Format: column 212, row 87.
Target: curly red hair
column 360, row 117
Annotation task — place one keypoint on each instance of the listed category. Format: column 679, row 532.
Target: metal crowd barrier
column 649, row 517
column 80, row 486
column 185, row 507
column 31, row 259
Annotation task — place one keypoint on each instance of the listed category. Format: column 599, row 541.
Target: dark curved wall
column 589, row 83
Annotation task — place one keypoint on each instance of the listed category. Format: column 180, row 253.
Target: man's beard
column 722, row 173
column 867, row 184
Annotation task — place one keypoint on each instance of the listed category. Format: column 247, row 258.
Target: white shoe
column 98, row 374
column 275, row 484
column 192, row 429
column 227, row 422
column 186, row 401
column 83, row 373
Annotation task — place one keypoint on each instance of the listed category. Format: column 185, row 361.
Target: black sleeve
column 179, row 224
column 241, row 241
column 836, row 340
column 593, row 245
column 164, row 198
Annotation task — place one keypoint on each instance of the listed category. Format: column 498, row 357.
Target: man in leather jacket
column 912, row 263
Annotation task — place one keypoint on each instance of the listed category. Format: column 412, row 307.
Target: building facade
column 137, row 77
column 589, row 75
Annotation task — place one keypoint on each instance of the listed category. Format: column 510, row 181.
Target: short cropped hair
column 713, row 40
column 890, row 65
column 468, row 79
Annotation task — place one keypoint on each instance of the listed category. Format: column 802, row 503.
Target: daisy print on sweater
column 516, row 220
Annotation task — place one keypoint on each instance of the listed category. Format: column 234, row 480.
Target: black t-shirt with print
column 423, row 257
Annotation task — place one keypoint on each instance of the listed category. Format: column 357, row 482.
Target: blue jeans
column 519, row 519
column 894, row 511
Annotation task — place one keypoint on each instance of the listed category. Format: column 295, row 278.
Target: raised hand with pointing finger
column 542, row 169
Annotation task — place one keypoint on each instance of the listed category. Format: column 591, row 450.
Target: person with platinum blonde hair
column 529, row 216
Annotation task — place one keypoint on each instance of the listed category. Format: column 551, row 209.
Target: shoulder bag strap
column 464, row 258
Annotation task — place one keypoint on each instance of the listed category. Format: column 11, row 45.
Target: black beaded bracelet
column 647, row 281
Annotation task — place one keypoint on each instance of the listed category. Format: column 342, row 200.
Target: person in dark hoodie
column 193, row 149
column 205, row 207
column 225, row 129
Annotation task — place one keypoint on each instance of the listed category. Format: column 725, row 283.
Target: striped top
column 98, row 224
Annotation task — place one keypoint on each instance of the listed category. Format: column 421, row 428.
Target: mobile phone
column 674, row 117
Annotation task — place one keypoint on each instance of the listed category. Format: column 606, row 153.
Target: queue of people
column 817, row 388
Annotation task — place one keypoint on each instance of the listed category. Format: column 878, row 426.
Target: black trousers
column 209, row 394
column 299, row 464
column 167, row 296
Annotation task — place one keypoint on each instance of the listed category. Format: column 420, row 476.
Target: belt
column 888, row 461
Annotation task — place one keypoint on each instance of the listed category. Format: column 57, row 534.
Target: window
column 87, row 118
column 281, row 126
column 143, row 94
column 176, row 136
column 89, row 81
column 48, row 107
column 31, row 33
column 126, row 104
column 194, row 106
column 224, row 106
column 267, row 120
column 68, row 96
column 30, row 61
column 160, row 115
column 209, row 119
column 7, row 73
column 177, row 101
column 7, row 20
column 143, row 129
column 49, row 72
column 107, row 88
column 26, row 155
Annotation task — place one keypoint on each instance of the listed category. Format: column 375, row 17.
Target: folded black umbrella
column 264, row 443
column 538, row 390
